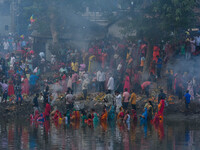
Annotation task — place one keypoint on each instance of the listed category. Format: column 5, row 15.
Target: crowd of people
column 110, row 66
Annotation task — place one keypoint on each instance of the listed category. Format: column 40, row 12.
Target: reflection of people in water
column 160, row 130
column 143, row 121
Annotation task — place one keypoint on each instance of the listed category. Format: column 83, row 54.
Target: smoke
column 181, row 65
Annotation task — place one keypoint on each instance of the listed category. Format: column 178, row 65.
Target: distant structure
column 5, row 17
column 9, row 12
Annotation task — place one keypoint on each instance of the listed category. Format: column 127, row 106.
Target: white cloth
column 101, row 77
column 197, row 40
column 128, row 118
column 5, row 45
column 12, row 61
column 66, row 120
column 118, row 101
column 69, row 83
column 119, row 67
column 110, row 84
column 85, row 84
column 41, row 54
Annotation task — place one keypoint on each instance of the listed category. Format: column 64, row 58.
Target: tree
column 51, row 15
column 157, row 20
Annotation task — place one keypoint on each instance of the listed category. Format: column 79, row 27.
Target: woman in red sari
column 127, row 83
column 159, row 116
column 25, row 86
column 11, row 88
column 47, row 111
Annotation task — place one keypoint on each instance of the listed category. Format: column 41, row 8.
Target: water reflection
column 102, row 136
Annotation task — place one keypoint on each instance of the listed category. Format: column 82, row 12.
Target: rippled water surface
column 111, row 136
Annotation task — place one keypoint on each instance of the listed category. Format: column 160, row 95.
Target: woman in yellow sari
column 91, row 63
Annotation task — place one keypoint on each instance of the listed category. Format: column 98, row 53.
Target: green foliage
column 44, row 9
column 160, row 18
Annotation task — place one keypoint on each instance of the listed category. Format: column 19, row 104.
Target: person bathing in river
column 120, row 115
column 133, row 100
column 127, row 117
column 150, row 111
column 111, row 113
column 47, row 111
column 143, row 117
column 126, row 97
column 159, row 115
column 35, row 102
column 104, row 115
column 118, row 101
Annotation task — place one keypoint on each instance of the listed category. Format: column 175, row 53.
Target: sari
column 91, row 63
column 159, row 116
column 111, row 113
column 104, row 116
column 25, row 87
column 95, row 119
column 134, row 115
column 143, row 119
column 11, row 88
column 127, row 83
column 47, row 111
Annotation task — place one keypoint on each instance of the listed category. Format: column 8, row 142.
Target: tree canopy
column 161, row 18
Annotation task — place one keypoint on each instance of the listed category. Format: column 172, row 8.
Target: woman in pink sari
column 127, row 83
column 25, row 86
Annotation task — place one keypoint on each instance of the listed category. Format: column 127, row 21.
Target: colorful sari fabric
column 11, row 88
column 111, row 113
column 47, row 110
column 25, row 87
column 91, row 63
column 104, row 116
column 120, row 115
column 95, row 119
column 159, row 116
column 127, row 83
column 36, row 116
column 75, row 116
column 134, row 115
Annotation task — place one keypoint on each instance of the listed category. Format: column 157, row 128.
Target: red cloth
column 64, row 77
column 160, row 112
column 57, row 115
column 156, row 52
column 25, row 87
column 36, row 115
column 11, row 88
column 145, row 84
column 136, row 78
column 127, row 83
column 47, row 110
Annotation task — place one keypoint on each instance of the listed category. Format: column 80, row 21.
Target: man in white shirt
column 5, row 46
column 197, row 41
column 118, row 101
column 12, row 60
column 110, row 84
column 101, row 78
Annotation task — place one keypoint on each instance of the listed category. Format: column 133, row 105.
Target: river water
column 170, row 135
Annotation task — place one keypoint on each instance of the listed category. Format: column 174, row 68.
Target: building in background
column 5, row 17
column 9, row 15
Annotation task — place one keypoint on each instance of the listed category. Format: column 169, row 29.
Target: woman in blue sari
column 111, row 113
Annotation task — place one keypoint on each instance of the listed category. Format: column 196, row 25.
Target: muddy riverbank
column 174, row 111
